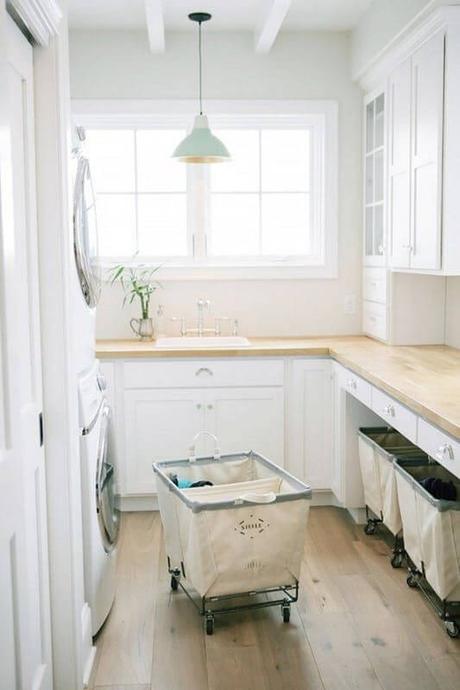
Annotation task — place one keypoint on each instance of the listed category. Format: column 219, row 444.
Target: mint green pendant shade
column 201, row 146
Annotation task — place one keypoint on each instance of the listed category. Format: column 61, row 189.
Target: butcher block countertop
column 425, row 378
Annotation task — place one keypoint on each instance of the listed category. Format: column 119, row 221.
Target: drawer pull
column 352, row 385
column 389, row 410
column 203, row 370
column 445, row 449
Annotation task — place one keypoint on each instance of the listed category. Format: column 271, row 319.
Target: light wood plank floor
column 357, row 625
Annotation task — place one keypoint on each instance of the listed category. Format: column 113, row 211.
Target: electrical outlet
column 349, row 304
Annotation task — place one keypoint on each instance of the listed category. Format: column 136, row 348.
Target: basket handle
column 269, row 497
column 192, row 449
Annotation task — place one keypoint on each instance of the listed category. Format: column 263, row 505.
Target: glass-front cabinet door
column 374, row 187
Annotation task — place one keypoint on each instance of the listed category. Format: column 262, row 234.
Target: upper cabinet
column 374, row 166
column 421, row 161
column 416, row 91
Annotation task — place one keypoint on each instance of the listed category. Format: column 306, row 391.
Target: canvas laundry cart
column 242, row 537
column 432, row 538
column 378, row 447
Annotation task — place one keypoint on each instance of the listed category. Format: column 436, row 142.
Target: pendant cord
column 200, row 60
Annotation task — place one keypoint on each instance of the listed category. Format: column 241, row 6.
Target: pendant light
column 201, row 146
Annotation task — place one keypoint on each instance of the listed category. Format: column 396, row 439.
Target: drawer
column 440, row 446
column 203, row 373
column 395, row 414
column 355, row 385
column 375, row 285
column 375, row 320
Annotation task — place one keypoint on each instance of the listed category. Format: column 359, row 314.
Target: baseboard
column 358, row 515
column 324, row 497
column 137, row 503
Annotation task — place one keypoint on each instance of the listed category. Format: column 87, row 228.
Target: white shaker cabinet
column 248, row 419
column 415, row 169
column 426, row 159
column 310, row 428
column 158, row 424
column 399, row 90
column 165, row 404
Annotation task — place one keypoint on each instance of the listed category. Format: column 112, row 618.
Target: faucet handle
column 218, row 323
column 181, row 319
column 203, row 303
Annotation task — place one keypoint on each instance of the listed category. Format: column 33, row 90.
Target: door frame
column 45, row 24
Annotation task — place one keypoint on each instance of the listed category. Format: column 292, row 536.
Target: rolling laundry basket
column 378, row 447
column 242, row 536
column 432, row 538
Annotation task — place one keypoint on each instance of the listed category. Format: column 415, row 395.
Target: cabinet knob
column 210, row 407
column 389, row 410
column 199, row 406
column 445, row 450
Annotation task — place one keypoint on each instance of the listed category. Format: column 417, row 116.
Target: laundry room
column 229, row 344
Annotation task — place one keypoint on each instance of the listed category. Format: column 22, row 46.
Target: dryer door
column 108, row 516
column 85, row 234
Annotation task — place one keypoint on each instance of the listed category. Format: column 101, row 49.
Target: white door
column 399, row 90
column 247, row 419
column 160, row 425
column 310, row 443
column 24, row 598
column 427, row 124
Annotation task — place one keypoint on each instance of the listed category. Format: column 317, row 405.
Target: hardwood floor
column 357, row 626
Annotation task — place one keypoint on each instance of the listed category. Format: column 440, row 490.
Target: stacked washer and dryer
column 100, row 517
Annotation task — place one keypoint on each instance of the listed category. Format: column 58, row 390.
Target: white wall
column 453, row 312
column 302, row 65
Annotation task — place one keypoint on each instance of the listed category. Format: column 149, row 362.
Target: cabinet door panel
column 310, row 435
column 160, row 424
column 248, row 419
column 399, row 164
column 427, row 120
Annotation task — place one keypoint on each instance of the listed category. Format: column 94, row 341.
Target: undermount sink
column 193, row 341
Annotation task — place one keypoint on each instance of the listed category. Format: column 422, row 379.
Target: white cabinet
column 165, row 404
column 399, row 89
column 310, row 440
column 416, row 89
column 247, row 419
column 426, row 160
column 374, row 180
column 158, row 424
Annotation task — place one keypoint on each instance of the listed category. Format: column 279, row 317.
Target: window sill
column 280, row 271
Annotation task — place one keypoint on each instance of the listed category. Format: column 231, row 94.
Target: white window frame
column 320, row 116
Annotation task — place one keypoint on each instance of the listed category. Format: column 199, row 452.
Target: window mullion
column 136, row 196
column 260, row 194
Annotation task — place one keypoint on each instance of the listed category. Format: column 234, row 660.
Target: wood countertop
column 426, row 378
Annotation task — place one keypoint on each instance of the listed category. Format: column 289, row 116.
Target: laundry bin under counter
column 432, row 537
column 378, row 448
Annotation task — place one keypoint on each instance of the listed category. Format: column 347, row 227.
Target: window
column 265, row 208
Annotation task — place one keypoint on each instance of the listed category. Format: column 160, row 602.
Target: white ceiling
column 302, row 15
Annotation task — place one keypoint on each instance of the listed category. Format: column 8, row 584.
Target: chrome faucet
column 200, row 330
column 201, row 304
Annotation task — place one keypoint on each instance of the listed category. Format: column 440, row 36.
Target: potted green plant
column 138, row 282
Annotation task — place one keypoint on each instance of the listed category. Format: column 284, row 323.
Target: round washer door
column 85, row 234
column 107, row 514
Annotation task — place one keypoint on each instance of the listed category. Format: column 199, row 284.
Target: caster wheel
column 286, row 610
column 369, row 528
column 209, row 625
column 411, row 582
column 452, row 629
column 174, row 583
column 397, row 560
